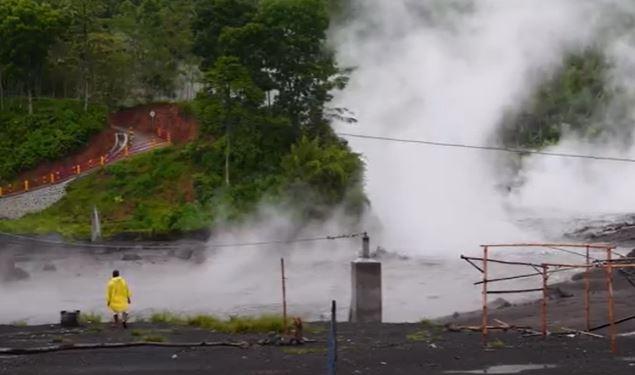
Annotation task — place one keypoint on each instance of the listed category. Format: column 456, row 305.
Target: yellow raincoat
column 118, row 294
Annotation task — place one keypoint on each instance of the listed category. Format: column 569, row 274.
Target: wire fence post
column 545, row 295
column 284, row 298
column 332, row 342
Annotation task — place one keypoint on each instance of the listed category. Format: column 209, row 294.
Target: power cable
column 168, row 247
column 489, row 148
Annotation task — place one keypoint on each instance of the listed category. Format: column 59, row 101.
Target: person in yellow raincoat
column 118, row 298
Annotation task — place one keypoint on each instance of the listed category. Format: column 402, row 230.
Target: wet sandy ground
column 363, row 349
column 565, row 312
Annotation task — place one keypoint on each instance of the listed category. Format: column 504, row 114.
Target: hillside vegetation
column 573, row 99
column 264, row 77
column 56, row 129
column 265, row 135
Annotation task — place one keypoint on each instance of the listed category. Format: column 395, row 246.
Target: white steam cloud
column 443, row 70
column 449, row 71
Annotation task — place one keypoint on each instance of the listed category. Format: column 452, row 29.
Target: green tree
column 571, row 98
column 84, row 28
column 212, row 17
column 282, row 44
column 328, row 170
column 233, row 94
column 302, row 69
column 27, row 30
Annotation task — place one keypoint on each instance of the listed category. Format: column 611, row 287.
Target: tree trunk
column 30, row 96
column 86, row 95
column 227, row 152
column 85, row 67
column 1, row 92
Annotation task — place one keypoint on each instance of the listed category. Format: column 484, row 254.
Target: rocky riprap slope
column 16, row 206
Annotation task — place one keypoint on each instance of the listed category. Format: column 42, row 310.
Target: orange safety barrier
column 64, row 174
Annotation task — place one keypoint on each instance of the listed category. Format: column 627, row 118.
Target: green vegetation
column 148, row 194
column 19, row 323
column 235, row 324
column 90, row 318
column 174, row 191
column 496, row 344
column 112, row 52
column 166, row 317
column 572, row 99
column 428, row 332
column 265, row 135
column 314, row 329
column 95, row 329
column 56, row 128
column 300, row 351
column 153, row 338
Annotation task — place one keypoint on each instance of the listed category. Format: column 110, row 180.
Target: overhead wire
column 488, row 148
column 168, row 247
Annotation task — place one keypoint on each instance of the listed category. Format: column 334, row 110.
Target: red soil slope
column 168, row 120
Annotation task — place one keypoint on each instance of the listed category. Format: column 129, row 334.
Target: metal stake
column 284, row 298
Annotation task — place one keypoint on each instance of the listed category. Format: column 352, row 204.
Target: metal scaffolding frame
column 607, row 262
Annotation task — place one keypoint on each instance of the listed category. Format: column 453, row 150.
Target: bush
column 56, row 129
column 328, row 170
column 235, row 324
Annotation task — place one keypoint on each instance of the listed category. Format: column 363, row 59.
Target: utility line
column 489, row 148
column 168, row 247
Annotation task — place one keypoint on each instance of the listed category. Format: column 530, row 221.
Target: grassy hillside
column 56, row 129
column 267, row 80
column 145, row 194
column 181, row 189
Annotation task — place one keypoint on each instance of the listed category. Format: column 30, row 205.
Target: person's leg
column 115, row 318
column 124, row 319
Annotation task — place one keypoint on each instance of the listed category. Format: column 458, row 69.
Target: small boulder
column 16, row 274
column 130, row 257
column 499, row 303
column 49, row 267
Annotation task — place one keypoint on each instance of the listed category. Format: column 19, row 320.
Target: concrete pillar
column 366, row 299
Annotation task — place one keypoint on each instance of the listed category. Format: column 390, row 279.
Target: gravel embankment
column 14, row 207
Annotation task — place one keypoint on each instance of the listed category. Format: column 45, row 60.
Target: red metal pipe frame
column 608, row 267
column 611, row 305
column 587, row 290
column 591, row 246
column 485, row 322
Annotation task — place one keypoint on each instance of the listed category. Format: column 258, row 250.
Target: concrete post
column 366, row 298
